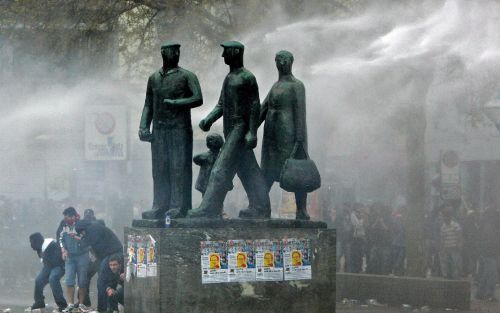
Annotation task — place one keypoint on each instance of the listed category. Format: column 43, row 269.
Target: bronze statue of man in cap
column 171, row 94
column 239, row 105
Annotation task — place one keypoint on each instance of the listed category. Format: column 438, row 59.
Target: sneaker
column 68, row 309
column 83, row 308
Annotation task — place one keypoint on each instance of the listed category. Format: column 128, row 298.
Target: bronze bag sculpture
column 299, row 174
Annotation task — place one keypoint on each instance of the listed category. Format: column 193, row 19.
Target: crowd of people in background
column 460, row 243
column 85, row 247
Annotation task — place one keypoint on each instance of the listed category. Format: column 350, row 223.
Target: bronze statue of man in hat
column 239, row 105
column 171, row 94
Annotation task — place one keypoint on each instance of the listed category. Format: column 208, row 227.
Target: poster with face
column 131, row 257
column 141, row 257
column 241, row 260
column 297, row 259
column 152, row 257
column 213, row 262
column 268, row 260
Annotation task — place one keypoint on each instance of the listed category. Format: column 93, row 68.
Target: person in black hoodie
column 52, row 271
column 105, row 244
column 89, row 215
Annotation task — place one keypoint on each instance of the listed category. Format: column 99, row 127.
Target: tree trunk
column 415, row 147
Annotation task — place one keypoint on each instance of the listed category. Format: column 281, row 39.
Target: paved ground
column 19, row 304
column 476, row 307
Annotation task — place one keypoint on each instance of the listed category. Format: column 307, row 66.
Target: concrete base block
column 178, row 287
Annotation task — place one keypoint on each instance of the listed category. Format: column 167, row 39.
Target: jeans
column 398, row 255
column 104, row 276
column 451, row 263
column 356, row 258
column 116, row 298
column 93, row 269
column 343, row 249
column 77, row 264
column 487, row 277
column 378, row 260
column 50, row 276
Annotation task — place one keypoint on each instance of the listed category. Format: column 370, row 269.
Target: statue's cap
column 170, row 43
column 233, row 44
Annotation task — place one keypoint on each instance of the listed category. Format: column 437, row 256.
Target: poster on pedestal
column 213, row 262
column 141, row 258
column 131, row 258
column 297, row 259
column 241, row 261
column 152, row 258
column 268, row 260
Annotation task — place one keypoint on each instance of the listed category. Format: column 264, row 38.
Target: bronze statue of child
column 206, row 161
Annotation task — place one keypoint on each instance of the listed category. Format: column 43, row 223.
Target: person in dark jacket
column 104, row 243
column 114, row 285
column 51, row 272
column 89, row 215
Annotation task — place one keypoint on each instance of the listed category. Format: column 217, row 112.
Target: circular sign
column 104, row 123
column 450, row 158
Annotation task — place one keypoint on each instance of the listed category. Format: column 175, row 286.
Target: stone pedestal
column 178, row 288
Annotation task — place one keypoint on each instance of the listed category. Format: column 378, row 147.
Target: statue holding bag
column 284, row 148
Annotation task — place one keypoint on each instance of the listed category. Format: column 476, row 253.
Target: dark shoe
column 153, row 214
column 254, row 214
column 38, row 305
column 196, row 213
column 302, row 215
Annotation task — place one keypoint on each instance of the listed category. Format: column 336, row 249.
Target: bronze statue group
column 166, row 123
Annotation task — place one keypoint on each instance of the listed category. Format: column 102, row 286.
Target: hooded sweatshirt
column 51, row 254
column 101, row 239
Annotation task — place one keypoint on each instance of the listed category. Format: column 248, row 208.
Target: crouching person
column 105, row 244
column 114, row 289
column 51, row 273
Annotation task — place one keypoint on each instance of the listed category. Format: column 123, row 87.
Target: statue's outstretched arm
column 200, row 159
column 213, row 116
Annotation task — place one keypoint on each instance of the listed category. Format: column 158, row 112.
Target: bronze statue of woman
column 285, row 131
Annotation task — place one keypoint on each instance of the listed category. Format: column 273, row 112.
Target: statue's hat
column 170, row 43
column 233, row 44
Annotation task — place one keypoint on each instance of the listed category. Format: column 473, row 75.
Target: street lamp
column 492, row 111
